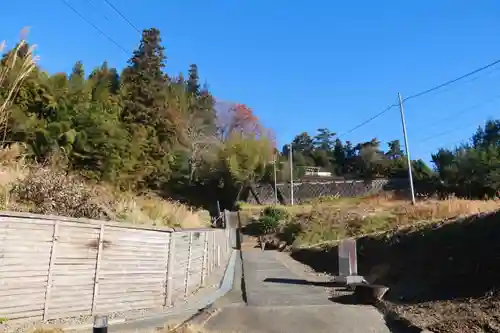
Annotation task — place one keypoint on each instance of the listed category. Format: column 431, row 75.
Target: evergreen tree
column 192, row 84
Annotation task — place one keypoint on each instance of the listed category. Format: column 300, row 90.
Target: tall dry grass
column 325, row 220
column 49, row 189
column 13, row 168
column 18, row 65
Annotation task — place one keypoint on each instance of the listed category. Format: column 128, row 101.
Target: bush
column 267, row 224
column 237, row 206
column 279, row 214
column 47, row 191
column 290, row 232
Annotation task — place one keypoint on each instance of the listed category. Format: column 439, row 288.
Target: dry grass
column 48, row 189
column 323, row 221
column 19, row 64
column 153, row 210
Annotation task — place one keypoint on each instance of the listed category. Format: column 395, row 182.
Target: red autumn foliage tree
column 237, row 117
column 248, row 146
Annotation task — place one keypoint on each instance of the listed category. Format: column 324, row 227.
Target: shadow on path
column 303, row 282
column 343, row 295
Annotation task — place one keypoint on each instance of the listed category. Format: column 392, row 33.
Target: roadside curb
column 397, row 323
column 188, row 310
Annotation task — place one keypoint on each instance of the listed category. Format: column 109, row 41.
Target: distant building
column 315, row 171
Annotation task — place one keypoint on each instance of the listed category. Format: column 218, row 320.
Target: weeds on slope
column 329, row 219
column 49, row 189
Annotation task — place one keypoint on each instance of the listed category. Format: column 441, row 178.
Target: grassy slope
column 325, row 221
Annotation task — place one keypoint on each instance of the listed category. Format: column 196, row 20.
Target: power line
column 441, row 133
column 92, row 4
column 122, row 15
column 427, row 91
column 95, row 27
column 455, row 114
column 424, row 92
column 369, row 120
column 455, row 144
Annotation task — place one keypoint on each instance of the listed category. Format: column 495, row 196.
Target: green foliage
column 267, row 224
column 238, row 205
column 138, row 129
column 365, row 160
column 470, row 170
column 277, row 213
column 290, row 232
column 141, row 129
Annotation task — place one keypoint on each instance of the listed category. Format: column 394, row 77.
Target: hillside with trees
column 470, row 170
column 139, row 129
column 142, row 130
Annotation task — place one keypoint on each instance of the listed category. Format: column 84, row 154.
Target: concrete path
column 278, row 300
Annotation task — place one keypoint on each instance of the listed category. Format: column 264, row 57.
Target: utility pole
column 275, row 186
column 291, row 173
column 410, row 176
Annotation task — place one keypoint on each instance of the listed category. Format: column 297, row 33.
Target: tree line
column 471, row 169
column 142, row 129
column 138, row 128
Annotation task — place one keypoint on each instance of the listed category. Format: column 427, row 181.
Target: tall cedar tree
column 144, row 108
column 144, row 82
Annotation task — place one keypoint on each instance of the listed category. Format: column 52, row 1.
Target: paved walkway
column 281, row 301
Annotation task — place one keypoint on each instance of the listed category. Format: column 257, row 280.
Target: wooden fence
column 53, row 267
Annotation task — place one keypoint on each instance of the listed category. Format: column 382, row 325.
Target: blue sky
column 301, row 65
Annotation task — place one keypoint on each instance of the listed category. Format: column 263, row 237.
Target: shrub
column 237, row 206
column 267, row 224
column 290, row 232
column 279, row 214
column 53, row 192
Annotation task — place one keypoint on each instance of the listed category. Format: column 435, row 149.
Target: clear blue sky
column 300, row 65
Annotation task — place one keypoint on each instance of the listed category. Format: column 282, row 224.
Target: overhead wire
column 116, row 10
column 427, row 91
column 96, row 28
column 420, row 94
column 93, row 5
column 456, row 114
column 368, row 120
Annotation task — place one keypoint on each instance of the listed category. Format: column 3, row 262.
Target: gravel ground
column 471, row 315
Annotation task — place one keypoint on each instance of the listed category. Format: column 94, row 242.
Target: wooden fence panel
column 210, row 249
column 180, row 264
column 72, row 282
column 55, row 267
column 195, row 268
column 132, row 270
column 24, row 263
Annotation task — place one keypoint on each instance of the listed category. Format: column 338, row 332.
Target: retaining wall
column 53, row 267
column 263, row 194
